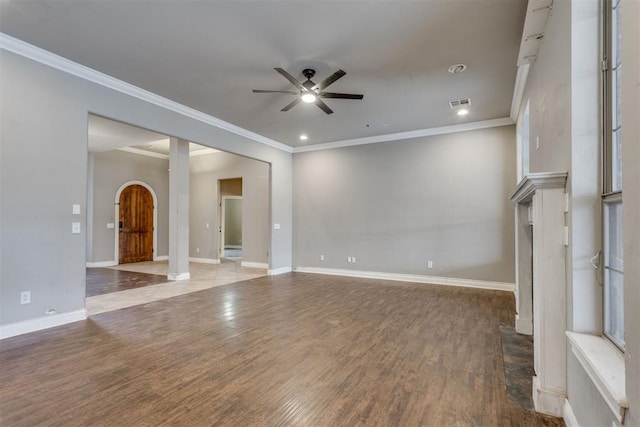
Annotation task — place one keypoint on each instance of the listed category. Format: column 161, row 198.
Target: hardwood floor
column 296, row 349
column 102, row 281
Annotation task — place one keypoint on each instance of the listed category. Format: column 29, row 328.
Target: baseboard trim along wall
column 569, row 417
column 281, row 270
column 249, row 264
column 434, row 280
column 205, row 260
column 40, row 323
column 178, row 276
column 101, row 264
column 161, row 258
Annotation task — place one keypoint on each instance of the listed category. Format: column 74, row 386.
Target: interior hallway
column 203, row 276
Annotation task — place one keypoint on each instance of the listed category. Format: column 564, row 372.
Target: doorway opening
column 230, row 226
column 135, row 210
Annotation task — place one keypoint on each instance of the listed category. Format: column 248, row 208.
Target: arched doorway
column 135, row 224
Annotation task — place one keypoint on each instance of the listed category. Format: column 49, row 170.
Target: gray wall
column 43, row 171
column 206, row 170
column 111, row 170
column 395, row 205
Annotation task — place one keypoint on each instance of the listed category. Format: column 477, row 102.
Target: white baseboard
column 204, row 260
column 547, row 401
column 569, row 417
column 39, row 323
column 250, row 264
column 178, row 276
column 161, row 258
column 101, row 264
column 434, row 280
column 524, row 326
column 281, row 270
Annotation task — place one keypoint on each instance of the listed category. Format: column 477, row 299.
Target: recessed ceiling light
column 463, row 112
column 308, row 98
column 457, row 68
column 303, row 137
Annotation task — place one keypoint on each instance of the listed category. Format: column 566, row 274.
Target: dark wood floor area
column 296, row 349
column 107, row 280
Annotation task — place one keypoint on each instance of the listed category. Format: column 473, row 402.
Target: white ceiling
column 208, row 55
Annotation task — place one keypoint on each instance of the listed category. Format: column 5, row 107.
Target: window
column 613, row 300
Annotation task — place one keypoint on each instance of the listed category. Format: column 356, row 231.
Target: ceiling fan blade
column 274, row 91
column 291, row 104
column 340, row 95
column 329, row 80
column 292, row 79
column 324, row 107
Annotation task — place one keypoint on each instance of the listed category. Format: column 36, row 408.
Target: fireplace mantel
column 531, row 182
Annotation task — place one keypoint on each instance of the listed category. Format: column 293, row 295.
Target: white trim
column 604, row 364
column 518, row 91
column 178, row 276
column 433, row 280
column 277, row 271
column 140, row 152
column 249, row 264
column 116, row 250
column 101, row 264
column 524, row 325
column 203, row 151
column 533, row 181
column 569, row 417
column 161, row 258
column 42, row 56
column 547, row 401
column 40, row 323
column 407, row 135
column 204, row 260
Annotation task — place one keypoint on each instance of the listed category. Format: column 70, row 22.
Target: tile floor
column 203, row 276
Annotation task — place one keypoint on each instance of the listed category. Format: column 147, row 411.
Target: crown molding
column 518, row 91
column 504, row 121
column 45, row 57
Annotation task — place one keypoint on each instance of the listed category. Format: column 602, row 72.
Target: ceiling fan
column 310, row 92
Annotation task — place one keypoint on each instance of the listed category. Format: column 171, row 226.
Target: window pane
column 613, row 235
column 614, row 307
column 616, row 161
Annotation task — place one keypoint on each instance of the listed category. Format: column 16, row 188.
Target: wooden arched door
column 136, row 225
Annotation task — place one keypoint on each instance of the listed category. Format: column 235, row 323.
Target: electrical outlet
column 349, row 259
column 321, row 257
column 429, row 264
column 197, row 250
column 25, row 297
column 353, row 259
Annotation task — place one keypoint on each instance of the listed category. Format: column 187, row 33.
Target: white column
column 178, row 210
column 545, row 192
column 549, row 301
column 524, row 266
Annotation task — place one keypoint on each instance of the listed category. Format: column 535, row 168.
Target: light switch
column 111, row 225
column 76, row 209
column 276, row 226
column 75, row 228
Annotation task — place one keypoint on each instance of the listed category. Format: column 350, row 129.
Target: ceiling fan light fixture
column 308, row 98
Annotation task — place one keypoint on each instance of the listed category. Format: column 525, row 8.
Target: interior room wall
column 396, row 205
column 111, row 170
column 43, row 170
column 206, row 170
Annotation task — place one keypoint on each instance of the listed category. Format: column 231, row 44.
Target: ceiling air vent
column 460, row 103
